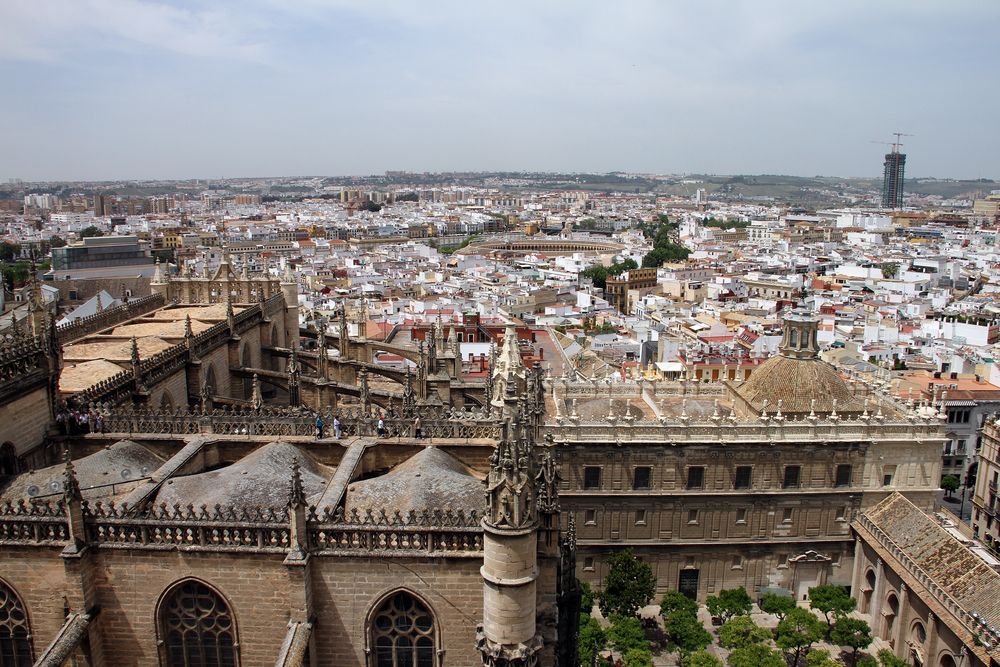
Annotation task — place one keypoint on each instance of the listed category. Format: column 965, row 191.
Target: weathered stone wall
column 24, row 421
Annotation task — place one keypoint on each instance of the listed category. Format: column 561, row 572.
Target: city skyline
column 123, row 89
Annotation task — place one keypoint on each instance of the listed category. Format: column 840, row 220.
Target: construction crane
column 896, row 144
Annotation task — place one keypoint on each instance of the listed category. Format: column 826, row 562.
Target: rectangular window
column 842, row 513
column 640, row 478
column 590, row 518
column 786, row 516
column 591, row 477
column 792, row 475
column 741, row 515
column 640, row 517
column 887, row 474
column 843, row 475
column 692, row 516
column 588, row 563
column 744, row 476
column 696, row 477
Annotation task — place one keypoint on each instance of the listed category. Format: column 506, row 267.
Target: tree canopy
column 833, row 601
column 591, row 640
column 9, row 251
column 700, row 659
column 741, row 631
column 629, row 585
column 797, row 632
column 950, row 484
column 729, row 602
column 685, row 632
column 776, row 605
column 676, row 601
column 756, row 655
column 852, row 632
column 91, row 231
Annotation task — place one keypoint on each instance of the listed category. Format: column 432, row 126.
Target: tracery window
column 197, row 627
column 402, row 633
column 15, row 635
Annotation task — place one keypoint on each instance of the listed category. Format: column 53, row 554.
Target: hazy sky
column 101, row 89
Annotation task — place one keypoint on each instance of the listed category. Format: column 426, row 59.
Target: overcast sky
column 106, row 89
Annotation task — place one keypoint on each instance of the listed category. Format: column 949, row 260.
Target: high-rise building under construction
column 892, row 180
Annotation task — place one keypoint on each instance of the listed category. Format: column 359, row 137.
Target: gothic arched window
column 15, row 634
column 402, row 633
column 197, row 627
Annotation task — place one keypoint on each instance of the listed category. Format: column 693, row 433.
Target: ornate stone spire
column 70, row 484
column 507, row 637
column 256, row 399
column 365, row 394
column 510, row 490
column 136, row 362
column 322, row 360
column 296, row 495
column 409, row 400
column 509, row 371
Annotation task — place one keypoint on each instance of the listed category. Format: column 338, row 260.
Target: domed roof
column 429, row 480
column 802, row 385
column 259, row 479
column 797, row 376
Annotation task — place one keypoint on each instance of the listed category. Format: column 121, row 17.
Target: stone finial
column 256, row 399
column 296, row 494
column 99, row 306
column 187, row 326
column 135, row 355
column 71, row 486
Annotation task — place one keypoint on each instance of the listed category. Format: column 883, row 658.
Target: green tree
column 728, row 603
column 57, row 242
column 890, row 270
column 637, row 657
column 852, row 632
column 888, row 659
column 700, row 659
column 91, row 231
column 629, row 585
column 9, row 251
column 833, row 601
column 685, row 632
column 950, row 484
column 820, row 658
column 676, row 601
column 866, row 661
column 742, row 631
column 586, row 597
column 370, row 206
column 626, row 632
column 776, row 605
column 756, row 655
column 598, row 274
column 667, row 252
column 591, row 641
column 797, row 632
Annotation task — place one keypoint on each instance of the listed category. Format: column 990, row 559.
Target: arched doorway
column 947, row 661
column 196, row 627
column 401, row 632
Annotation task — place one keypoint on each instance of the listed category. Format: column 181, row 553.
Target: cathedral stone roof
column 115, row 349
column 121, row 462
column 78, row 377
column 429, row 480
column 946, row 561
column 260, row 479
